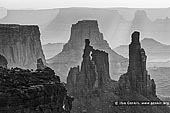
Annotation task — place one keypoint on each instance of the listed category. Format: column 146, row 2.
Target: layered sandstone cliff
column 72, row 50
column 21, row 45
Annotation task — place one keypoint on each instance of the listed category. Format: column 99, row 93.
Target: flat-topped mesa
column 21, row 45
column 92, row 23
column 137, row 73
column 89, row 24
column 86, row 29
column 8, row 28
column 94, row 72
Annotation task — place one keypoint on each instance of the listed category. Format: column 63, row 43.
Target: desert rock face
column 96, row 92
column 139, row 79
column 21, row 45
column 28, row 91
column 72, row 50
column 3, row 61
column 94, row 72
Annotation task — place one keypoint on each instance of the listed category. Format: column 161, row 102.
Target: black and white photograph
column 84, row 56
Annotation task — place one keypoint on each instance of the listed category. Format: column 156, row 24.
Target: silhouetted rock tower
column 94, row 72
column 137, row 73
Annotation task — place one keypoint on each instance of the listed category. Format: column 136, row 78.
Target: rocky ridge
column 29, row 91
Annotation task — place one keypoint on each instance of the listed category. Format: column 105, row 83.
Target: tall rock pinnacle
column 138, row 76
column 137, row 65
column 94, row 72
column 94, row 91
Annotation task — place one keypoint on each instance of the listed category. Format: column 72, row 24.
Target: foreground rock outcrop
column 73, row 49
column 21, row 45
column 28, row 91
column 96, row 92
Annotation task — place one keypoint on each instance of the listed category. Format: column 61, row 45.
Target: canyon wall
column 21, row 45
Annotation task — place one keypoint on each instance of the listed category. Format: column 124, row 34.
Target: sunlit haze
column 41, row 4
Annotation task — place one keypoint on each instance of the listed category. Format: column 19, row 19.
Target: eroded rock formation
column 96, row 92
column 26, row 91
column 21, row 45
column 137, row 74
column 73, row 49
column 94, row 72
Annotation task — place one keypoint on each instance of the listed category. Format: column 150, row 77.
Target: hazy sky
column 41, row 4
column 49, row 4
